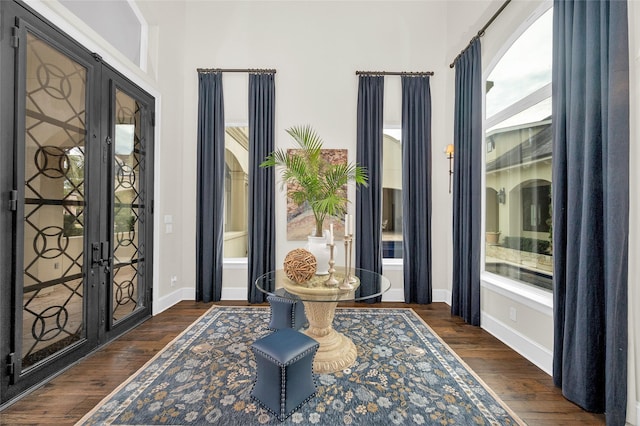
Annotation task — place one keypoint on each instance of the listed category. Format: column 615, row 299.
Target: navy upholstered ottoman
column 284, row 376
column 286, row 312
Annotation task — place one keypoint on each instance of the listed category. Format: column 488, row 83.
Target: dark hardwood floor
column 521, row 385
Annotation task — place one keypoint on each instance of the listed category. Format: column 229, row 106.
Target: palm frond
column 313, row 179
column 306, row 138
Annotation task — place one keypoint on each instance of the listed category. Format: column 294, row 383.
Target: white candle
column 346, row 224
column 331, row 234
column 351, row 225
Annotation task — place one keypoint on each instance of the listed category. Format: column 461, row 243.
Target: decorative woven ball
column 300, row 265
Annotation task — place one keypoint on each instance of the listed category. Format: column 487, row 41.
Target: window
column 236, row 185
column 129, row 36
column 536, row 208
column 518, row 159
column 391, row 194
column 73, row 188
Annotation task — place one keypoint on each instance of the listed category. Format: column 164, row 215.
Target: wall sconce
column 502, row 196
column 449, row 153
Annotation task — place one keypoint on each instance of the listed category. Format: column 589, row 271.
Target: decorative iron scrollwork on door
column 128, row 206
column 54, row 203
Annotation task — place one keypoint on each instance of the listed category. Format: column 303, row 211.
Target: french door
column 76, row 219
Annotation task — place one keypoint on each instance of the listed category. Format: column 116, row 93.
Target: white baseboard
column 440, row 295
column 240, row 293
column 393, row 295
column 165, row 302
column 234, row 293
column 397, row 295
column 538, row 355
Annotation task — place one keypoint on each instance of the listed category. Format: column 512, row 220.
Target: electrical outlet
column 174, row 280
column 513, row 314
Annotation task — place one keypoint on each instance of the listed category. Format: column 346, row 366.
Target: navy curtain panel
column 262, row 241
column 591, row 204
column 210, row 188
column 416, row 188
column 465, row 298
column 368, row 223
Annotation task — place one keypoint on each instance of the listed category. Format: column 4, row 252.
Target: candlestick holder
column 346, row 283
column 350, row 276
column 331, row 281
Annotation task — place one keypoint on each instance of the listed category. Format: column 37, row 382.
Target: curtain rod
column 249, row 70
column 416, row 73
column 481, row 32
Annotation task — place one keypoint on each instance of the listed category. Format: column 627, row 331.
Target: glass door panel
column 76, row 160
column 128, row 155
column 54, row 201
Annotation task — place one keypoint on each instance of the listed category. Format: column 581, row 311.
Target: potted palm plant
column 314, row 180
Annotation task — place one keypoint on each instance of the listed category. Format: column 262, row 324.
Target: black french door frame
column 114, row 85
column 99, row 289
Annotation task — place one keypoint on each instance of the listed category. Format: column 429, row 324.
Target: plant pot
column 492, row 237
column 318, row 247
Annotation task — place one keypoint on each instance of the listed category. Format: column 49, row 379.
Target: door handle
column 100, row 255
column 95, row 255
column 104, row 250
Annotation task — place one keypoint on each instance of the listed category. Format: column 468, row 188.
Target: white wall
column 531, row 333
column 166, row 46
column 100, row 15
column 316, row 48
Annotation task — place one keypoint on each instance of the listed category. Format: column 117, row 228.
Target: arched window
column 518, row 158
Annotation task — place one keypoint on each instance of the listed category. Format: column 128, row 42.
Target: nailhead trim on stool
column 286, row 312
column 280, row 355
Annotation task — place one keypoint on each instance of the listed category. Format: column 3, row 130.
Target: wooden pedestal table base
column 336, row 351
column 320, row 296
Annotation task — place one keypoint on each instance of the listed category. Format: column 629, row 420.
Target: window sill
column 538, row 299
column 230, row 261
column 235, row 262
column 392, row 262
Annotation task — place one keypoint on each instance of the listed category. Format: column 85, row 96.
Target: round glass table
column 320, row 298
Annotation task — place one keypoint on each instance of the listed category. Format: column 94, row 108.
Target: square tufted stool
column 284, row 376
column 286, row 312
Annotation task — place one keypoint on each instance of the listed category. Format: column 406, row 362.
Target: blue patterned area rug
column 404, row 374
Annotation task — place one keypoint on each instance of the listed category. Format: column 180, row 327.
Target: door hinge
column 108, row 140
column 15, row 40
column 13, row 200
column 11, row 365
